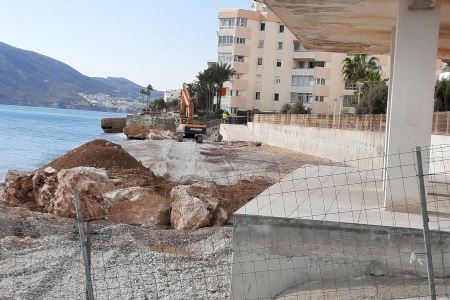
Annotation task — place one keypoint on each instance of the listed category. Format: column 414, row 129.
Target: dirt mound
column 118, row 163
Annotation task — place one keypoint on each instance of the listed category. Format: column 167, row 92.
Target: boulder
column 45, row 183
column 18, row 188
column 157, row 134
column 196, row 206
column 138, row 205
column 137, row 132
column 91, row 183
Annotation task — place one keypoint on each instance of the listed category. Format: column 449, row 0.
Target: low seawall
column 335, row 144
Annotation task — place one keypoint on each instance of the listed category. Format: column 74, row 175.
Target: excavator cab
column 187, row 128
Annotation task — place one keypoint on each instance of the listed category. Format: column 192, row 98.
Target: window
column 239, row 58
column 262, row 26
column 299, row 64
column 280, row 45
column 302, row 80
column 240, row 40
column 281, row 28
column 301, row 97
column 319, row 98
column 347, row 101
column 258, row 78
column 277, row 79
column 298, row 47
column 261, row 44
column 311, row 65
column 225, row 40
column 278, row 63
column 276, row 97
column 227, row 23
column 236, row 93
column 241, row 22
column 258, row 95
column 260, row 61
column 320, row 81
column 224, row 57
column 351, row 85
column 320, row 64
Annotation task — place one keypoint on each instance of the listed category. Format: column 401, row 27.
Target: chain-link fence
column 325, row 231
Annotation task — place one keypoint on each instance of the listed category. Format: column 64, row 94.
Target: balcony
column 307, row 55
column 321, row 90
column 240, row 67
column 302, row 89
column 243, row 32
column 240, row 84
column 322, row 73
column 304, row 72
column 323, row 56
column 243, row 50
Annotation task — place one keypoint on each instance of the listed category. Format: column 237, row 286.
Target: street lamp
column 334, row 111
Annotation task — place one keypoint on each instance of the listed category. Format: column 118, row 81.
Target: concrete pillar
column 411, row 100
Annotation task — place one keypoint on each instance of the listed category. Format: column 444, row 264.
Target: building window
column 225, row 40
column 277, row 79
column 239, row 58
column 276, row 97
column 319, row 98
column 224, row 57
column 298, row 47
column 240, row 40
column 301, row 97
column 299, row 64
column 302, row 80
column 261, row 44
column 319, row 64
column 242, row 22
column 278, row 63
column 281, row 28
column 280, row 45
column 236, row 93
column 257, row 95
column 227, row 23
column 320, row 81
column 311, row 65
column 260, row 61
column 262, row 26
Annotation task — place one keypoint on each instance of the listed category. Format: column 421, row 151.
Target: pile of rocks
column 140, row 132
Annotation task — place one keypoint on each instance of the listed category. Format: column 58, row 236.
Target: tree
column 373, row 99
column 158, row 104
column 356, row 68
column 299, row 108
column 286, row 108
column 220, row 73
column 442, row 95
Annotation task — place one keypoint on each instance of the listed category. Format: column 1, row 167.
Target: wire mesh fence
column 327, row 230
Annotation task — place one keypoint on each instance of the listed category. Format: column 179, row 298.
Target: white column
column 411, row 100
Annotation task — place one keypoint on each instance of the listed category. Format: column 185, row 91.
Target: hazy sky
column 164, row 42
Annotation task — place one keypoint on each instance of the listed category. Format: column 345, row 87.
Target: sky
column 161, row 42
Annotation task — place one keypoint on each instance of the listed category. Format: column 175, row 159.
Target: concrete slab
column 236, row 133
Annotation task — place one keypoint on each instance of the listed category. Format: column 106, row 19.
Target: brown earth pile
column 118, row 163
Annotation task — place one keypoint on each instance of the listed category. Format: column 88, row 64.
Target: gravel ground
column 40, row 258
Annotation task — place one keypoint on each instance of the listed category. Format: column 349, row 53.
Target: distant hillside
column 29, row 78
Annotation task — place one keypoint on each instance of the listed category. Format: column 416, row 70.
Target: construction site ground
column 40, row 255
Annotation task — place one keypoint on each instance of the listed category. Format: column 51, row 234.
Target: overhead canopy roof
column 352, row 26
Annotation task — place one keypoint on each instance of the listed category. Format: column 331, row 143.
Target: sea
column 33, row 136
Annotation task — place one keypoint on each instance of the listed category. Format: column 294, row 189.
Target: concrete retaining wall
column 165, row 122
column 271, row 255
column 360, row 148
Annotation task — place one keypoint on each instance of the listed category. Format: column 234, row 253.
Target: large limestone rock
column 18, row 188
column 45, row 183
column 136, row 132
column 91, row 184
column 138, row 205
column 196, row 206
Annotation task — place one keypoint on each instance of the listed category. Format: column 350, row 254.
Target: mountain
column 30, row 78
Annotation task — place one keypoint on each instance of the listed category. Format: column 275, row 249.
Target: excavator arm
column 186, row 107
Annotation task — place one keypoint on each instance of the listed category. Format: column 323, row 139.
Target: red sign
column 223, row 92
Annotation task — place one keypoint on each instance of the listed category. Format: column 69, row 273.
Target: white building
column 171, row 95
column 275, row 69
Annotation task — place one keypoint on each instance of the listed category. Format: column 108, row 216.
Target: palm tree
column 143, row 93
column 221, row 72
column 357, row 67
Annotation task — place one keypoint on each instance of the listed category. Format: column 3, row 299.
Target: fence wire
column 343, row 230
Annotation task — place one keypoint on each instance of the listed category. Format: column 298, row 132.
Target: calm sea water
column 32, row 136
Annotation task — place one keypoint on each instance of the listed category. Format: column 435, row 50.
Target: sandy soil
column 40, row 255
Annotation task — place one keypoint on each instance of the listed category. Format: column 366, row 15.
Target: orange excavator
column 187, row 128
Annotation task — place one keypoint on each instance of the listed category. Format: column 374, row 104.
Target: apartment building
column 274, row 68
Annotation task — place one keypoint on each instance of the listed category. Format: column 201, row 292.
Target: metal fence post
column 85, row 246
column 426, row 229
